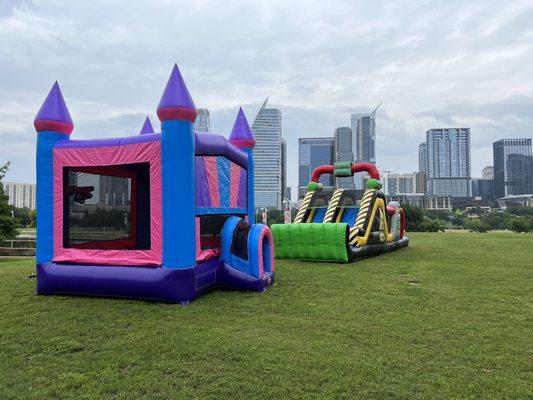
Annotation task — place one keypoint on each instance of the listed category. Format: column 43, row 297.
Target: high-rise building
column 283, row 169
column 364, row 132
column 400, row 183
column 364, row 141
column 422, row 157
column 421, row 182
column 21, row 195
column 203, row 121
column 267, row 157
column 344, row 151
column 448, row 162
column 502, row 149
column 520, row 174
column 483, row 188
column 487, row 172
column 312, row 153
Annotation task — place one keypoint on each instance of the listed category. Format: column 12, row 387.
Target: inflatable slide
column 342, row 225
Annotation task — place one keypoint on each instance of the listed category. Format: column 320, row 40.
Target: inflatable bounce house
column 160, row 216
column 339, row 226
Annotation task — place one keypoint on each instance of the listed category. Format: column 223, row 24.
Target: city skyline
column 459, row 73
column 285, row 160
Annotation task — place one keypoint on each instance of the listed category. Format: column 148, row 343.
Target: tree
column 520, row 210
column 414, row 216
column 33, row 219
column 477, row 225
column 273, row 217
column 438, row 214
column 496, row 219
column 518, row 225
column 8, row 226
column 432, row 225
column 458, row 218
column 23, row 216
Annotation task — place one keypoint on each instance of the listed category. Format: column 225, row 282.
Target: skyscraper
column 312, row 153
column 401, row 183
column 483, row 188
column 421, row 182
column 502, row 149
column 520, row 174
column 364, row 132
column 344, row 151
column 203, row 120
column 364, row 141
column 422, row 157
column 268, row 156
column 21, row 195
column 284, row 169
column 448, row 162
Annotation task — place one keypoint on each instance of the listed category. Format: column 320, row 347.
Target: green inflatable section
column 325, row 242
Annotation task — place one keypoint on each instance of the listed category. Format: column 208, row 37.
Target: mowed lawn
column 448, row 317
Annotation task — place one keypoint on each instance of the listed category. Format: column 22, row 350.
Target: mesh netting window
column 210, row 229
column 349, row 198
column 107, row 207
column 321, row 199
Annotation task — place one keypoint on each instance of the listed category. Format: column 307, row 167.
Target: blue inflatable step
column 247, row 248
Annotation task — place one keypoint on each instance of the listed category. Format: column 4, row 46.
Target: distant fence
column 21, row 246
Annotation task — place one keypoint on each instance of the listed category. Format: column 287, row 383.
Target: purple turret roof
column 241, row 134
column 147, row 127
column 176, row 101
column 53, row 114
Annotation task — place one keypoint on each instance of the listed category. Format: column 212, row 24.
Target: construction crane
column 375, row 109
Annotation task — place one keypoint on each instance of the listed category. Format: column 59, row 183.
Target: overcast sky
column 432, row 64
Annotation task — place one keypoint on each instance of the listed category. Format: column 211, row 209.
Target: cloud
column 431, row 63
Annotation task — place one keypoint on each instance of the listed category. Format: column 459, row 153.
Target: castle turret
column 177, row 114
column 242, row 137
column 52, row 123
column 147, row 127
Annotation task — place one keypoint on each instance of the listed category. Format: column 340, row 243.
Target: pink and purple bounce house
column 158, row 216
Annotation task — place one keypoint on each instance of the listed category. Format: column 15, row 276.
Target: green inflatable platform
column 326, row 242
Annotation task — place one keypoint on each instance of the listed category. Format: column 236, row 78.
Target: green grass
column 448, row 317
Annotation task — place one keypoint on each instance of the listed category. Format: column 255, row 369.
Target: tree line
column 517, row 219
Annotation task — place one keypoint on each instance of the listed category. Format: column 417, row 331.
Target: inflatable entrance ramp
column 343, row 225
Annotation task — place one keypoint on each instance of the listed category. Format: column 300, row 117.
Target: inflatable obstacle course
column 339, row 226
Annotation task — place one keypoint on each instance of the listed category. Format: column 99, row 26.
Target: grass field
column 449, row 317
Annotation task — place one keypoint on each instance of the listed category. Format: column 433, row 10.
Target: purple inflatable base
column 147, row 283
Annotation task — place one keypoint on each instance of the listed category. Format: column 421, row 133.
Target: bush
column 438, row 214
column 495, row 219
column 519, row 225
column 476, row 225
column 520, row 210
column 432, row 225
